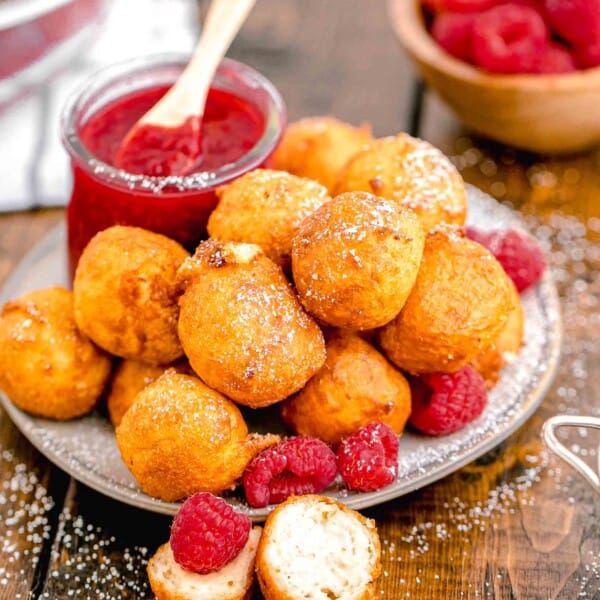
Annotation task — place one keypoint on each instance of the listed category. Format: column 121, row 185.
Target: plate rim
column 547, row 296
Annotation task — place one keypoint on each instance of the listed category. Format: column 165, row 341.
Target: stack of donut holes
column 326, row 278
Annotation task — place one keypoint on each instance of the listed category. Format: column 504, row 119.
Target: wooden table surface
column 518, row 522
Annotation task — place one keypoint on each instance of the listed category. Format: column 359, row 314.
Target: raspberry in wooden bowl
column 546, row 112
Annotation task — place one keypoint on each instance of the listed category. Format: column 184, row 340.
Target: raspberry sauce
column 231, row 127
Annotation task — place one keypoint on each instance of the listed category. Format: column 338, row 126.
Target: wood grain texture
column 338, row 57
column 27, row 481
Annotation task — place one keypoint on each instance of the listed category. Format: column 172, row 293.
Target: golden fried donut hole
column 180, row 437
column 242, row 326
column 47, row 366
column 129, row 378
column 457, row 307
column 413, row 173
column 318, row 147
column 506, row 346
column 265, row 207
column 354, row 387
column 355, row 260
column 126, row 296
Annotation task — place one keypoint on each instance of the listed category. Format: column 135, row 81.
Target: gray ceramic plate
column 86, row 449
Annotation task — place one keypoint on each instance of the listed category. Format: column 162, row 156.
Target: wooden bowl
column 550, row 114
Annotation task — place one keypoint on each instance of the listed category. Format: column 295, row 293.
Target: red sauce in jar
column 230, row 128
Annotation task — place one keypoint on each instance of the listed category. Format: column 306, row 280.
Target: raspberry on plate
column 519, row 254
column 507, row 38
column 368, row 459
column 445, row 402
column 453, row 32
column 207, row 533
column 295, row 466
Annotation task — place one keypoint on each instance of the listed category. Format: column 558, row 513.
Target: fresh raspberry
column 368, row 459
column 207, row 533
column 466, row 6
column 507, row 38
column 577, row 21
column 537, row 5
column 518, row 252
column 445, row 402
column 555, row 58
column 295, row 466
column 480, row 236
column 433, row 6
column 588, row 56
column 453, row 32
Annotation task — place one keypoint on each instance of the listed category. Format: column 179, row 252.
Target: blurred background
column 48, row 48
column 336, row 57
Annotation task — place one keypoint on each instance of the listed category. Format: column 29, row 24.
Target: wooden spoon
column 166, row 140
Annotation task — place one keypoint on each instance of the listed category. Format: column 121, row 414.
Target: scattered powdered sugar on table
column 24, row 528
column 83, row 564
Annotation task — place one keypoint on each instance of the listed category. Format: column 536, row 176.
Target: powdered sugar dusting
column 86, row 448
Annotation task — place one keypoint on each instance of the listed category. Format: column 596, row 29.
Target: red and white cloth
column 34, row 167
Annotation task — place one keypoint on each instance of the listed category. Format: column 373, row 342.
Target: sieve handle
column 550, row 439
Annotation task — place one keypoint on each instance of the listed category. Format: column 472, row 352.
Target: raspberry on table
column 207, row 533
column 368, row 459
column 453, row 32
column 507, row 38
column 295, row 466
column 519, row 254
column 445, row 402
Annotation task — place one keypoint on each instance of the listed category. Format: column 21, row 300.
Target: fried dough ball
column 243, row 328
column 131, row 377
column 413, row 173
column 126, row 296
column 180, row 437
column 265, row 207
column 355, row 260
column 318, row 147
column 506, row 346
column 47, row 366
column 354, row 387
column 457, row 307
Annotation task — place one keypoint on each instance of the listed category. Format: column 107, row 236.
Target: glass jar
column 178, row 207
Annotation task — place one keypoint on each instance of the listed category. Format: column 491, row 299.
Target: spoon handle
column 188, row 95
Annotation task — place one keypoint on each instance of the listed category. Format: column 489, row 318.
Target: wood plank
column 102, row 547
column 31, row 489
column 337, row 57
